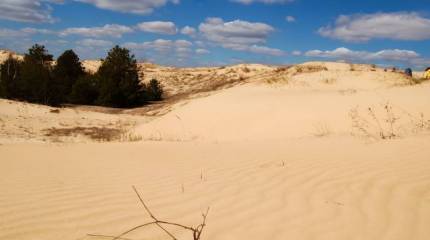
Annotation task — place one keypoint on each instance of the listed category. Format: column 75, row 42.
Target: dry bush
column 282, row 69
column 384, row 122
column 329, row 81
column 348, row 91
column 94, row 133
column 100, row 134
column 196, row 231
column 310, row 69
column 246, row 70
column 321, row 130
column 351, row 67
column 416, row 81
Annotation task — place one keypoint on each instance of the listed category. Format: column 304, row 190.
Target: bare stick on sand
column 197, row 231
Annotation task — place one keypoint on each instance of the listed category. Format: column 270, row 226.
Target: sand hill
column 317, row 151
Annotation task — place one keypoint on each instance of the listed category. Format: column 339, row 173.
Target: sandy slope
column 288, row 154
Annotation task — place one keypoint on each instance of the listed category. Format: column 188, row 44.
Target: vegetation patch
column 101, row 134
column 309, row 69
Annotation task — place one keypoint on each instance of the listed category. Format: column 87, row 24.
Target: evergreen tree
column 66, row 72
column 10, row 75
column 36, row 76
column 85, row 90
column 119, row 80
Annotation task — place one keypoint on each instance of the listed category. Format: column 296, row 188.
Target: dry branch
column 196, row 231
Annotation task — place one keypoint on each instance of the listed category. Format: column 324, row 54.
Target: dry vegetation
column 386, row 122
column 195, row 231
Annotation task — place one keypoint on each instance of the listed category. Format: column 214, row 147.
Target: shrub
column 154, row 91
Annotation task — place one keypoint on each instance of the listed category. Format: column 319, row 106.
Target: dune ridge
column 276, row 152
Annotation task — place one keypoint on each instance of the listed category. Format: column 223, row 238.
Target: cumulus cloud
column 187, row 30
column 202, row 51
column 159, row 27
column 238, row 35
column 111, row 30
column 364, row 27
column 129, row 6
column 27, row 10
column 161, row 45
column 265, row 50
column 347, row 54
column 89, row 42
column 262, row 1
column 290, row 19
column 296, row 53
column 23, row 32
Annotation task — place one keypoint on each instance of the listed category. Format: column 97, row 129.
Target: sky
column 222, row 32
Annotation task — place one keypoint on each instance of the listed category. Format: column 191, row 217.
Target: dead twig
column 196, row 231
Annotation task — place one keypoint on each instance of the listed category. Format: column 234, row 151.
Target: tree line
column 116, row 83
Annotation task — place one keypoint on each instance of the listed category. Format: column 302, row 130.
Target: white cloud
column 290, row 19
column 130, row 6
column 265, row 50
column 202, row 51
column 161, row 45
column 238, row 32
column 262, row 1
column 238, row 35
column 296, row 53
column 89, row 42
column 159, row 27
column 27, row 10
column 37, row 31
column 23, row 32
column 187, row 30
column 112, row 30
column 364, row 27
column 11, row 33
column 347, row 54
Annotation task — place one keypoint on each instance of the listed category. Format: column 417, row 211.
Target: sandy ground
column 316, row 151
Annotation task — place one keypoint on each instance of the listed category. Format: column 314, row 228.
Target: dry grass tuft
column 384, row 122
column 309, row 69
column 102, row 134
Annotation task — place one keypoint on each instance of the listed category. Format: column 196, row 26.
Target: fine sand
column 319, row 151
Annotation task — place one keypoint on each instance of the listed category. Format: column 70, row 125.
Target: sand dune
column 315, row 151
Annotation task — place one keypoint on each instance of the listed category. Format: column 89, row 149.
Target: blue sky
column 219, row 32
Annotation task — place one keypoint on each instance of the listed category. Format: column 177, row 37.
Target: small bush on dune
column 154, row 91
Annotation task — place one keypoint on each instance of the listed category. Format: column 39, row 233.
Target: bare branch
column 197, row 231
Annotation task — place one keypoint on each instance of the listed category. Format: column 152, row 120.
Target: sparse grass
column 416, row 81
column 384, row 122
column 310, row 69
column 102, row 134
column 246, row 70
column 329, row 81
column 321, row 130
column 99, row 134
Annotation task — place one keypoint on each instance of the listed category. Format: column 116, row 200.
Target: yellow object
column 427, row 74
